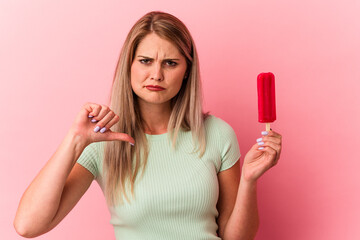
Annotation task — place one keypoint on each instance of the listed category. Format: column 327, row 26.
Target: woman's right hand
column 105, row 118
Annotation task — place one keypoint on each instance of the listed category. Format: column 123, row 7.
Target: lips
column 154, row 88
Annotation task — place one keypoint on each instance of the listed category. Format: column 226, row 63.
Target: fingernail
column 96, row 129
column 261, row 148
column 103, row 130
column 93, row 120
column 264, row 133
column 259, row 140
column 90, row 116
column 260, row 143
column 132, row 144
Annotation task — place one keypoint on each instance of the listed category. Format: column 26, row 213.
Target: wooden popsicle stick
column 267, row 127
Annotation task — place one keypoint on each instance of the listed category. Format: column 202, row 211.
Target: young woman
column 168, row 170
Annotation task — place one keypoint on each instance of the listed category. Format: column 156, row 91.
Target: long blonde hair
column 122, row 161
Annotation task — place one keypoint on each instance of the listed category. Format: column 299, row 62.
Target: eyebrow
column 153, row 59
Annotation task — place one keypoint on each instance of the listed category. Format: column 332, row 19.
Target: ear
column 186, row 74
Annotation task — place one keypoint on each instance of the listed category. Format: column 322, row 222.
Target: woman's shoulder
column 212, row 121
column 221, row 137
column 97, row 146
column 215, row 126
column 95, row 149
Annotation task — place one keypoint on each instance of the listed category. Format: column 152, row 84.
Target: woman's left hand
column 257, row 161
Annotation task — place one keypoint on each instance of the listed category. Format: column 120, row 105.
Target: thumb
column 253, row 153
column 115, row 136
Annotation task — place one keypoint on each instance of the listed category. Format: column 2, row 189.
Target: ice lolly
column 266, row 98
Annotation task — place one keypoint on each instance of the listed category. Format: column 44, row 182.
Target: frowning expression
column 157, row 71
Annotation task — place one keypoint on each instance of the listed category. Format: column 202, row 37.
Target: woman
column 179, row 178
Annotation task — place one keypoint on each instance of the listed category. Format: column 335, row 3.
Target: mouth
column 154, row 88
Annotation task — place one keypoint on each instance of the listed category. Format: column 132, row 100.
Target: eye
column 170, row 63
column 145, row 61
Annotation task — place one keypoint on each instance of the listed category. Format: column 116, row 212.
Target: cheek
column 135, row 76
column 176, row 85
column 179, row 83
column 178, row 78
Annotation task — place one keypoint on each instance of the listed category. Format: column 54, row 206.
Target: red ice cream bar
column 266, row 98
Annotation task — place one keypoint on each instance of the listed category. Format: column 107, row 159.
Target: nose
column 157, row 73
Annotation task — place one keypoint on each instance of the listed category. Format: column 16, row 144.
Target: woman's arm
column 242, row 221
column 237, row 206
column 53, row 193
column 60, row 184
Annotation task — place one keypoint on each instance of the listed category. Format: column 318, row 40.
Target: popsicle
column 266, row 98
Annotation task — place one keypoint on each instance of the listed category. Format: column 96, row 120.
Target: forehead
column 154, row 46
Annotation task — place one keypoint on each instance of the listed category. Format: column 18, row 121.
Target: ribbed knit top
column 177, row 195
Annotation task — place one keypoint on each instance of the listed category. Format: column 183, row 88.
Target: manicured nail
column 132, row 144
column 260, row 143
column 96, row 129
column 259, row 140
column 264, row 133
column 103, row 130
column 261, row 148
column 93, row 120
column 90, row 116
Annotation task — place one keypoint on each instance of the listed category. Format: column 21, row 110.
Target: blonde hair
column 122, row 161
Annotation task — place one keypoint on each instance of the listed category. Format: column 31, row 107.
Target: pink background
column 57, row 55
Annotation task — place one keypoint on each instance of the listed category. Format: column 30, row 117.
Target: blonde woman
column 167, row 170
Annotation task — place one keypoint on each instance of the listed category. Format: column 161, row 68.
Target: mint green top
column 177, row 195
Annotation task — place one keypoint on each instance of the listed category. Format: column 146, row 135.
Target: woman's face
column 157, row 71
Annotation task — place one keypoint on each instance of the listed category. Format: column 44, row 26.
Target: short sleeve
column 89, row 159
column 229, row 146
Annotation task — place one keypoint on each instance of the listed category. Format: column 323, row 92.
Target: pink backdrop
column 57, row 55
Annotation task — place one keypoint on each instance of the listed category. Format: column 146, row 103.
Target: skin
column 242, row 219
column 157, row 62
column 62, row 182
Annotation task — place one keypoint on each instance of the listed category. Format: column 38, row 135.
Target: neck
column 155, row 117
